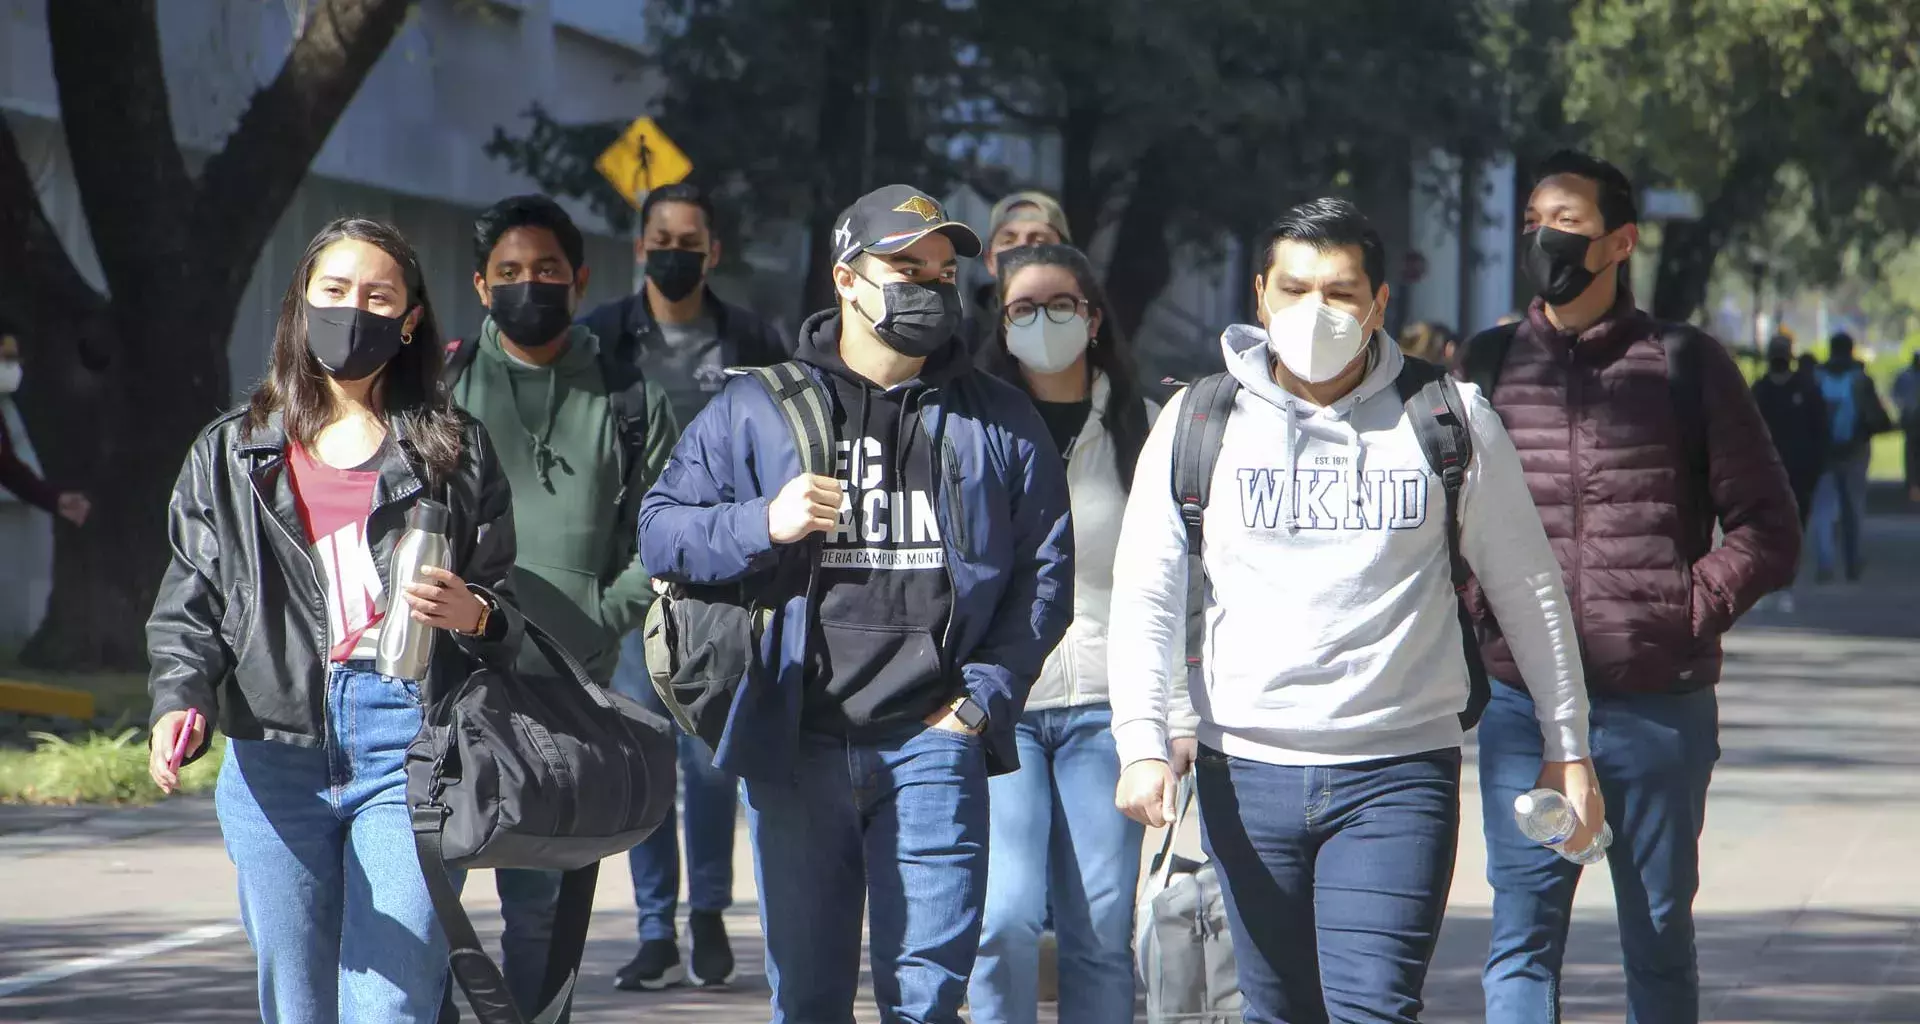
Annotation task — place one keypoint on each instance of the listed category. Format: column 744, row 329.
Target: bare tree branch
column 113, row 106
column 247, row 185
column 47, row 280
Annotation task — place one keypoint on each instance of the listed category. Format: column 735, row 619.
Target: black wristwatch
column 970, row 714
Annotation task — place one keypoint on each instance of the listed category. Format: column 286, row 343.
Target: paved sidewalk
column 1810, row 910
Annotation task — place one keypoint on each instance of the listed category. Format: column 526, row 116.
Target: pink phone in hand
column 183, row 744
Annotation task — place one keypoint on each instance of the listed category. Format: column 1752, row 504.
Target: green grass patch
column 95, row 769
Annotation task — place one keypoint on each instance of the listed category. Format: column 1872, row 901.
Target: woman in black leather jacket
column 282, row 526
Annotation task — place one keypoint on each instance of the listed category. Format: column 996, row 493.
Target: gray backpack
column 1182, row 945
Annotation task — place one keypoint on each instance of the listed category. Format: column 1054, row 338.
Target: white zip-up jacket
column 1075, row 675
column 1332, row 634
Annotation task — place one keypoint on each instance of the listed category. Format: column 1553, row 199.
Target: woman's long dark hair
column 296, row 385
column 1126, row 414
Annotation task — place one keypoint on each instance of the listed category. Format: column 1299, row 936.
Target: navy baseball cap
column 889, row 219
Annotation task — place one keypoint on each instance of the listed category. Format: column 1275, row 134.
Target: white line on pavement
column 113, row 958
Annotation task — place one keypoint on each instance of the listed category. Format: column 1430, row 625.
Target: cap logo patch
column 843, row 235
column 921, row 205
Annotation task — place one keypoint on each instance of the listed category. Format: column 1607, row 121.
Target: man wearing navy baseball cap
column 920, row 588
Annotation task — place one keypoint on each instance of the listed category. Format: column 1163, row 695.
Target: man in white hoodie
column 1333, row 674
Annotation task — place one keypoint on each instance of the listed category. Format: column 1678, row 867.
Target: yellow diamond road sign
column 642, row 160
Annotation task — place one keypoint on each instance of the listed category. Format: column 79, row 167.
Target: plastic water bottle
column 406, row 646
column 1546, row 817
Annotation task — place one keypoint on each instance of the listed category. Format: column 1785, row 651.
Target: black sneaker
column 655, row 967
column 712, row 954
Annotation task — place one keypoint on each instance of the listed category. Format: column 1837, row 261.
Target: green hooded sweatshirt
column 575, row 503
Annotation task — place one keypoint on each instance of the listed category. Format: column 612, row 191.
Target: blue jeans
column 330, row 887
column 711, row 800
column 901, row 825
column 1839, row 500
column 1056, row 832
column 1335, row 878
column 1655, row 756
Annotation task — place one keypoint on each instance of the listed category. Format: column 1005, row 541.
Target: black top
column 1064, row 420
column 885, row 596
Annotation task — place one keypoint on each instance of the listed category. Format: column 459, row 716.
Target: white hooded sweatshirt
column 1332, row 632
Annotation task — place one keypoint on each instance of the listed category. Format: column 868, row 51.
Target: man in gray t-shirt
column 682, row 336
column 685, row 361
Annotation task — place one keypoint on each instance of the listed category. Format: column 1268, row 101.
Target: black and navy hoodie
column 951, row 571
column 884, row 594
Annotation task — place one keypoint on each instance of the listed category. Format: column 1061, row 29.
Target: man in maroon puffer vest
column 1631, row 467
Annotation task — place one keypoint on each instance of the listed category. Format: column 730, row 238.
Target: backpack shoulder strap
column 458, row 357
column 807, row 409
column 1439, row 418
column 1197, row 438
column 628, row 403
column 1483, row 356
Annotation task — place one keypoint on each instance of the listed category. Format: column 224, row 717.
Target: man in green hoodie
column 581, row 438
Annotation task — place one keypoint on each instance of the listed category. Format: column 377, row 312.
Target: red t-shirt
column 334, row 504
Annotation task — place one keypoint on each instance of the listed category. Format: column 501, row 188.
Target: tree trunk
column 1142, row 258
column 1689, row 249
column 119, row 391
column 840, row 145
column 1080, row 196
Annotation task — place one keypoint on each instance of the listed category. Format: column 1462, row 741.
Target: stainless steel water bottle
column 406, row 644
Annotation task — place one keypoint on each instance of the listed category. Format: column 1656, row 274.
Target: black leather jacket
column 239, row 628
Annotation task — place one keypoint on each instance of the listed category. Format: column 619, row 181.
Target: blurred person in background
column 1432, row 342
column 19, row 470
column 1906, row 400
column 1855, row 416
column 1796, row 417
column 1057, row 839
column 682, row 336
column 1019, row 219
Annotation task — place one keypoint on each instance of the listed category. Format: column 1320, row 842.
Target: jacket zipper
column 956, row 529
column 319, row 588
column 1578, row 480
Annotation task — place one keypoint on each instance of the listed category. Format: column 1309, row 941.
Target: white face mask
column 9, row 378
column 1046, row 347
column 1313, row 340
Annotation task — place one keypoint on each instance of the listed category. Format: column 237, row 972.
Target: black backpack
column 701, row 642
column 1439, row 419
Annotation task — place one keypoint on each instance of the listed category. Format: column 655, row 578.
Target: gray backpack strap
column 809, row 414
column 1197, row 437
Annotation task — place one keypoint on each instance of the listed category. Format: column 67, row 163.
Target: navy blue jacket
column 1003, row 520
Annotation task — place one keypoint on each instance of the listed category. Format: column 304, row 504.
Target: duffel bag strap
column 472, row 968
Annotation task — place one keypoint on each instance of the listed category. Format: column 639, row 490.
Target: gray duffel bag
column 1182, row 945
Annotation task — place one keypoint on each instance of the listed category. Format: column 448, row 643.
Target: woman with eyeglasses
column 268, row 620
column 1058, row 841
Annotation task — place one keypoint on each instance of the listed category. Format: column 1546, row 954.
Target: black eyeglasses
column 1060, row 309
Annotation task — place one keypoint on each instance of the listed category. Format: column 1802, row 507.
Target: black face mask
column 532, row 313
column 1780, row 364
column 915, row 319
column 351, row 343
column 1556, row 263
column 676, row 272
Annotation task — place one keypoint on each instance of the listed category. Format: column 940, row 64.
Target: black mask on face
column 532, row 313
column 1556, row 263
column 351, row 343
column 676, row 272
column 915, row 319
